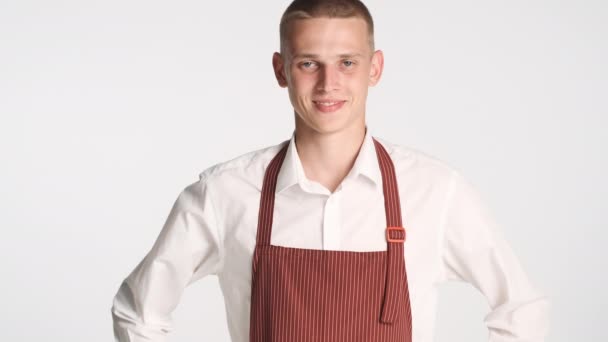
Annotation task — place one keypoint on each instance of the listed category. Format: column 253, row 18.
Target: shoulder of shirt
column 414, row 157
column 258, row 158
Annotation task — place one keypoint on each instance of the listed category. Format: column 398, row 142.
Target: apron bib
column 310, row 295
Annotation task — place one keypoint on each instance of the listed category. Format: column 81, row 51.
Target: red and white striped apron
column 310, row 295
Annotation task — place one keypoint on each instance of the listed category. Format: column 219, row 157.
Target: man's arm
column 475, row 251
column 187, row 249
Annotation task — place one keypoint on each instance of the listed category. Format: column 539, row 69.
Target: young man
column 333, row 235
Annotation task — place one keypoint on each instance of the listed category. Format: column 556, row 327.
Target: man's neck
column 328, row 158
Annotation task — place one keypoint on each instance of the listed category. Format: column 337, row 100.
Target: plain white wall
column 109, row 108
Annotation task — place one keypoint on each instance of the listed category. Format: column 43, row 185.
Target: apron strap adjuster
column 398, row 237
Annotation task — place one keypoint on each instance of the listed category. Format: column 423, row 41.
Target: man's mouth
column 329, row 105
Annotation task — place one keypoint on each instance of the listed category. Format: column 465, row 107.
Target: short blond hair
column 306, row 9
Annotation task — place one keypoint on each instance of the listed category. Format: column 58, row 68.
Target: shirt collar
column 366, row 164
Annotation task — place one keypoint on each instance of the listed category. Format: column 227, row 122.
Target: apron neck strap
column 392, row 205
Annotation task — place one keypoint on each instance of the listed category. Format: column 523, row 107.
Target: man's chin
column 333, row 127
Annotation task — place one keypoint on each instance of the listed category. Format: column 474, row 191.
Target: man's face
column 327, row 68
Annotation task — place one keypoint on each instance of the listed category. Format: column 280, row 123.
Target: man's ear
column 278, row 65
column 377, row 66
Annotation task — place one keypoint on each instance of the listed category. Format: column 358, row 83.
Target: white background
column 109, row 108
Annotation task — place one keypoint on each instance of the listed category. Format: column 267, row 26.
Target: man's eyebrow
column 312, row 55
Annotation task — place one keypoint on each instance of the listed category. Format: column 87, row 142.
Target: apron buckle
column 388, row 235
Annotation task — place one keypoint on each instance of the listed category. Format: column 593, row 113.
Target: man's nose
column 328, row 79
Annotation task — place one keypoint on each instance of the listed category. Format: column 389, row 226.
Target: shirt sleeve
column 475, row 251
column 187, row 249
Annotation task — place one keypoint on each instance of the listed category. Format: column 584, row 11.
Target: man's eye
column 349, row 63
column 307, row 65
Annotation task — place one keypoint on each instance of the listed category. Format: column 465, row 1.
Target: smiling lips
column 328, row 106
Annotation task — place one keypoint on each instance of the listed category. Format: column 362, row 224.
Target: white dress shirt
column 451, row 235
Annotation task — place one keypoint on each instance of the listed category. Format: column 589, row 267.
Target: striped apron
column 310, row 295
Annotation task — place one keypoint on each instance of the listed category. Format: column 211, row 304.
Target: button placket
column 332, row 222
